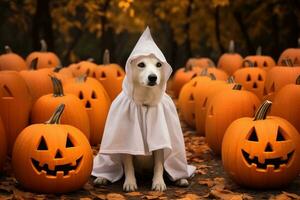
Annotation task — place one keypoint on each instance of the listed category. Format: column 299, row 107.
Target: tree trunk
column 187, row 43
column 217, row 28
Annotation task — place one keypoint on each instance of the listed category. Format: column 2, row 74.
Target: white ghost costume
column 139, row 130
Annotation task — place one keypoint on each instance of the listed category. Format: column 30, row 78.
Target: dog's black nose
column 152, row 78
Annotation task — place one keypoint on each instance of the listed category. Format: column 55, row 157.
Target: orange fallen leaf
column 134, row 194
column 115, row 196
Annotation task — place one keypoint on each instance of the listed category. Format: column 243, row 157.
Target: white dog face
column 147, row 71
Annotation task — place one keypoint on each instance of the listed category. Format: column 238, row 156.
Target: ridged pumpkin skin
column 12, row 61
column 218, row 73
column 288, row 95
column 83, row 68
column 3, row 145
column 15, row 105
column 222, row 110
column 271, row 138
column 199, row 62
column 96, row 101
column 41, row 153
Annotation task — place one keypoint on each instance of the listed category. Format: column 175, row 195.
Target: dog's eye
column 142, row 65
column 158, row 64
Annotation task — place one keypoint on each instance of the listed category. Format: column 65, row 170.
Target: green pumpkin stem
column 263, row 110
column 230, row 80
column 237, row 86
column 249, row 62
column 58, row 90
column 212, row 76
column 81, row 78
column 33, row 64
column 259, row 51
column 44, row 46
column 287, row 62
column 231, row 48
column 298, row 80
column 55, row 118
column 204, row 72
column 7, row 49
column 106, row 57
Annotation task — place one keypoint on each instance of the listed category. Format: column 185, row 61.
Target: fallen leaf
column 228, row 195
column 134, row 194
column 115, row 196
column 190, row 197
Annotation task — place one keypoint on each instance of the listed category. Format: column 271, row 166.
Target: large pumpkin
column 286, row 103
column 15, row 105
column 231, row 61
column 74, row 114
column 11, row 61
column 3, row 145
column 223, row 109
column 65, row 74
column 262, row 152
column 261, row 61
column 291, row 53
column 46, row 59
column 51, row 157
column 96, row 101
column 252, row 78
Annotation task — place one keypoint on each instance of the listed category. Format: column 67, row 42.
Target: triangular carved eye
column 191, row 97
column 7, row 92
column 94, row 75
column 69, row 142
column 119, row 74
column 280, row 135
column 94, row 96
column 253, row 136
column 80, row 95
column 248, row 77
column 87, row 72
column 265, row 64
column 103, row 75
column 260, row 77
column 255, row 64
column 42, row 144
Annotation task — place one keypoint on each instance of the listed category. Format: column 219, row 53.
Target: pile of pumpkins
column 229, row 105
column 51, row 115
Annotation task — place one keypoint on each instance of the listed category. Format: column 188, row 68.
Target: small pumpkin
column 291, row 53
column 65, row 74
column 198, row 62
column 223, row 109
column 288, row 95
column 252, row 78
column 46, row 59
column 83, row 68
column 55, row 158
column 261, row 61
column 96, row 102
column 218, row 73
column 74, row 114
column 11, row 61
column 261, row 152
column 231, row 61
column 15, row 105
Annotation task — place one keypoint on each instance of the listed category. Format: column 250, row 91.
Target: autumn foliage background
column 79, row 29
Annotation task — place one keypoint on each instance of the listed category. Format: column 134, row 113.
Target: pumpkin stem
column 43, row 45
column 287, row 62
column 58, row 90
column 298, row 80
column 230, row 80
column 81, row 79
column 106, row 57
column 263, row 110
column 249, row 62
column 7, row 49
column 204, row 72
column 212, row 76
column 57, row 68
column 55, row 118
column 231, row 46
column 33, row 64
column 90, row 60
column 259, row 51
column 237, row 86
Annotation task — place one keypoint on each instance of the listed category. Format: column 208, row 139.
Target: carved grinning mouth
column 276, row 162
column 58, row 168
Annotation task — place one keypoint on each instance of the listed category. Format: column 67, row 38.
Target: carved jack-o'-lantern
column 262, row 152
column 291, row 53
column 55, row 158
column 261, row 61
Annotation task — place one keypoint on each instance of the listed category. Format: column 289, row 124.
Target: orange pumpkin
column 231, row 61
column 74, row 114
column 262, row 152
column 11, row 61
column 199, row 62
column 218, row 73
column 65, row 74
column 291, row 53
column 252, row 78
column 46, row 59
column 3, row 145
column 288, row 95
column 223, row 109
column 261, row 61
column 37, row 80
column 15, row 105
column 51, row 157
column 96, row 101
column 83, row 68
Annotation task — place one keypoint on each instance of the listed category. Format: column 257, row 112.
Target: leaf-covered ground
column 210, row 182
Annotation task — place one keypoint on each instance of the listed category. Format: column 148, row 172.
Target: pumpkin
column 261, row 61
column 37, row 80
column 110, row 76
column 74, row 114
column 96, row 102
column 223, row 109
column 3, row 145
column 55, row 158
column 65, row 74
column 11, row 61
column 218, row 73
column 199, row 62
column 83, row 68
column 231, row 61
column 252, row 78
column 288, row 95
column 15, row 105
column 261, row 152
column 280, row 76
column 291, row 53
column 46, row 59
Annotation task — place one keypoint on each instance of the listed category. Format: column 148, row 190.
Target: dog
column 148, row 83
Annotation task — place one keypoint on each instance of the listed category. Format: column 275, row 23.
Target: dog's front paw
column 159, row 185
column 100, row 181
column 130, row 186
column 182, row 182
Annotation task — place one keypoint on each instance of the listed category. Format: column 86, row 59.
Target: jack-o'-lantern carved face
column 261, row 61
